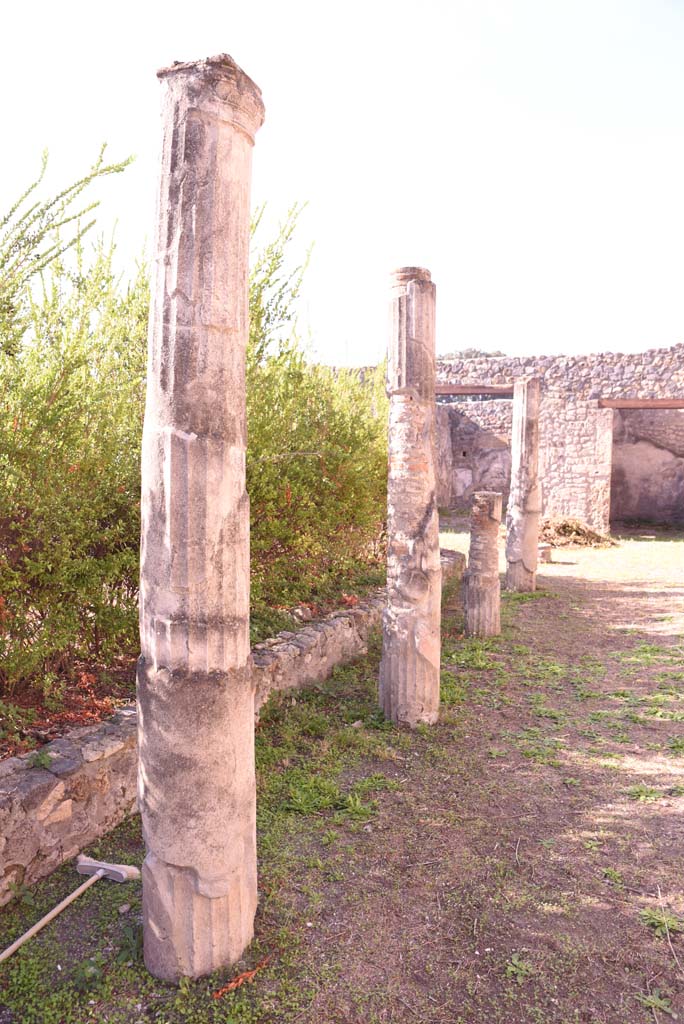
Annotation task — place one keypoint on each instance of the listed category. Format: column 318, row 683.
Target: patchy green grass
column 314, row 790
column 495, row 867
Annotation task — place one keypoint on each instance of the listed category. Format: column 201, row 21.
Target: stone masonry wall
column 648, row 466
column 473, row 450
column 656, row 373
column 85, row 783
column 576, row 452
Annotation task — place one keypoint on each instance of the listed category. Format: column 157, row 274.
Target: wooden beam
column 499, row 390
column 641, row 403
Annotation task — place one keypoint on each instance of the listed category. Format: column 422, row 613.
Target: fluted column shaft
column 409, row 670
column 481, row 586
column 524, row 501
column 195, row 691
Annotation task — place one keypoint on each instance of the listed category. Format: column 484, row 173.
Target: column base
column 520, row 579
column 187, row 934
column 482, row 600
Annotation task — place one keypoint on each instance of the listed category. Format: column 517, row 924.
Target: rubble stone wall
column 55, row 803
column 647, row 482
column 578, row 462
column 473, row 450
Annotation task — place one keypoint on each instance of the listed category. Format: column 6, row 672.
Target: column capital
column 404, row 275
column 218, row 86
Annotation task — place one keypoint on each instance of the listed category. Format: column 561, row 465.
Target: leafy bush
column 72, row 356
column 317, row 448
column 72, row 365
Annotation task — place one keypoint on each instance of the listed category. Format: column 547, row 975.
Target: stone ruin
column 196, row 678
column 196, row 681
column 197, row 789
column 409, row 670
column 611, row 428
column 524, row 499
column 481, row 587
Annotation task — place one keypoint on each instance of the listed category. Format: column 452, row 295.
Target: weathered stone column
column 481, row 587
column 409, row 671
column 524, row 502
column 195, row 692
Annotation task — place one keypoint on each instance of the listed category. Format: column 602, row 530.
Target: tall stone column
column 524, row 502
column 409, row 670
column 196, row 777
column 481, row 587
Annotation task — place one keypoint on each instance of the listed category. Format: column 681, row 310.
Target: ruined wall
column 576, row 451
column 473, row 450
column 647, row 482
column 656, row 373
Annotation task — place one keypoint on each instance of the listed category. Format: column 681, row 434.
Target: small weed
column 22, row 894
column 542, row 710
column 515, row 597
column 592, row 844
column 661, row 921
column 655, row 1000
column 536, row 746
column 571, row 781
column 310, row 794
column 39, row 759
column 675, row 745
column 473, row 654
column 495, row 752
column 614, row 877
column 451, row 691
column 643, row 793
column 132, row 944
column 519, row 969
column 88, row 974
column 355, row 807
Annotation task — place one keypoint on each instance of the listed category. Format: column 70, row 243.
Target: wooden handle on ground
column 48, row 917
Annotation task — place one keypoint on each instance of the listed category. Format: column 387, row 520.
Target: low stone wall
column 51, row 811
column 48, row 814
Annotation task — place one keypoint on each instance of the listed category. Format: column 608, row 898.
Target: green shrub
column 72, row 365
column 69, row 455
column 317, row 448
column 72, row 354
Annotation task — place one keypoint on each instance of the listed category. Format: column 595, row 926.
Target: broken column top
column 411, row 357
column 228, row 83
column 405, row 274
column 488, row 500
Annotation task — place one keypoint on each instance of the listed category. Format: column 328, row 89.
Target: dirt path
column 520, row 862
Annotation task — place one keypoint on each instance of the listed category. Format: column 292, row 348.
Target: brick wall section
column 575, row 435
column 49, row 814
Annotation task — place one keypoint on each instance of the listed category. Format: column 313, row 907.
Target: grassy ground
column 519, row 862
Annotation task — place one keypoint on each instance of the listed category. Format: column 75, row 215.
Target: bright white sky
column 530, row 153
